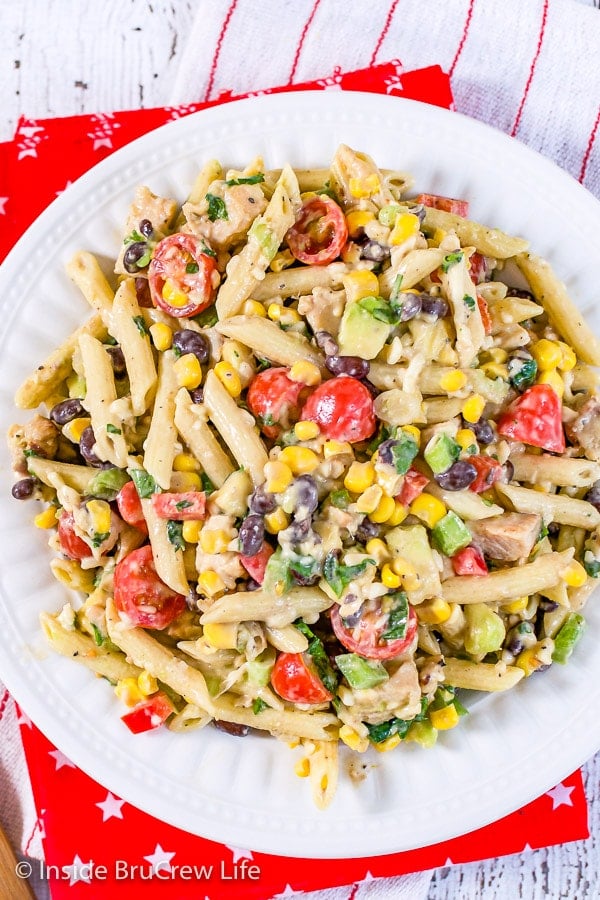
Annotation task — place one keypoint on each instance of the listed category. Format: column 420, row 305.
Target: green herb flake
column 469, row 301
column 99, row 538
column 403, row 452
column 250, row 179
column 175, row 534
column 98, row 636
column 141, row 326
column 258, row 705
column 337, row 575
column 395, row 293
column 397, row 624
column 340, row 499
column 208, row 251
column 134, row 238
column 192, row 268
column 592, row 567
column 183, row 504
column 451, row 259
column 145, row 484
column 216, row 208
column 207, row 318
column 380, row 309
column 319, row 657
column 112, row 429
column 207, row 485
column 29, row 451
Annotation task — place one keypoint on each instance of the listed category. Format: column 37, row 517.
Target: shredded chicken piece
column 509, row 537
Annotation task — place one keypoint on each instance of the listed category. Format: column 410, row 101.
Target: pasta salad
column 326, row 453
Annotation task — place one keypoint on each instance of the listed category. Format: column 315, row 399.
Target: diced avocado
column 451, row 534
column 259, row 669
column 423, row 733
column 485, row 630
column 361, row 673
column 360, row 333
column 411, row 542
column 440, row 452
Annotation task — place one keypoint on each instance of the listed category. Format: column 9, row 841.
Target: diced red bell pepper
column 535, row 418
column 149, row 714
column 469, row 561
column 255, row 565
column 484, row 312
column 447, row 204
column 480, row 267
column 413, row 485
column 489, row 471
column 182, row 505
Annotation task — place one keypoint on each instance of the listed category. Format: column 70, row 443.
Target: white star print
column 368, row 877
column 239, row 853
column 287, row 892
column 61, row 760
column 561, row 795
column 160, row 860
column 527, row 847
column 3, row 202
column 449, row 862
column 79, row 871
column 111, row 807
column 58, row 193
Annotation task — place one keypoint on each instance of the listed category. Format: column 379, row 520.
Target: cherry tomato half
column 141, row 595
column 469, row 561
column 342, row 408
column 365, row 638
column 149, row 714
column 535, row 418
column 273, row 398
column 256, row 565
column 489, row 471
column 293, row 679
column 448, row 204
column 130, row 507
column 182, row 277
column 71, row 544
column 319, row 233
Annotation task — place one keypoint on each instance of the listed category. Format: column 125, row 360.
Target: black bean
column 459, row 476
column 251, row 535
column 367, row 530
column 553, row 528
column 298, row 531
column 374, row 391
column 304, row 580
column 133, row 253
column 146, row 227
column 483, row 431
column 188, row 341
column 261, row 501
column 231, row 728
column 374, row 251
column 142, row 293
column 348, row 365
column 420, row 212
column 547, row 605
column 197, row 395
column 118, row 361
column 434, row 306
column 516, row 645
column 411, row 306
column 385, row 451
column 327, row 343
column 86, row 448
column 355, row 617
column 67, row 410
column 191, row 599
column 508, row 471
column 593, row 495
column 23, row 489
column 307, row 495
column 518, row 292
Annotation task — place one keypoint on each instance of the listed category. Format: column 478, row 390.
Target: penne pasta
column 191, row 422
column 552, row 507
column 487, row 241
column 299, row 603
column 268, row 340
column 85, row 272
column 507, row 584
column 462, row 673
column 559, row 470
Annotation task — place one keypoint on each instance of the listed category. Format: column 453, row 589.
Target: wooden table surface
column 64, row 57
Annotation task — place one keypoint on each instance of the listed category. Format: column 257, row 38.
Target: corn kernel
column 494, row 370
column 473, row 408
column 46, row 519
column 389, row 744
column 360, row 283
column 574, row 575
column 276, row 521
column 385, row 508
column 547, row 354
column 353, row 740
column 336, row 448
column 453, row 381
column 214, row 540
column 210, row 583
column 254, row 308
column 369, row 500
column 378, row 549
column 428, row 509
column 364, row 187
column 190, row 531
column 552, row 378
column 359, row 477
column 221, row 636
column 75, row 428
column 185, row 462
column 433, row 612
column 402, row 566
column 128, row 691
column 147, row 683
column 282, row 260
column 162, row 335
column 305, row 372
column 515, row 606
column 229, row 378
column 389, row 577
column 301, row 460
column 306, row 431
column 445, row 718
column 465, row 438
column 278, row 476
column 497, row 355
column 528, row 660
column 186, row 481
column 407, row 225
column 289, row 316
column 99, row 511
column 438, row 236
column 414, row 433
column 357, row 219
column 398, row 516
column 274, row 311
column 302, row 767
column 569, row 357
column 188, row 371
column 172, row 294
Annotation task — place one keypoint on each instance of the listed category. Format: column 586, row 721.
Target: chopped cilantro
column 145, row 484
column 192, row 268
column 98, row 636
column 134, row 237
column 319, row 656
column 175, row 534
column 398, row 618
column 112, row 429
column 395, row 293
column 99, row 538
column 404, row 449
column 251, row 179
column 258, row 705
column 207, row 318
column 208, row 251
column 182, row 504
column 380, row 309
column 216, row 208
column 592, row 567
column 451, row 259
column 337, row 575
column 141, row 325
column 207, row 485
column 469, row 301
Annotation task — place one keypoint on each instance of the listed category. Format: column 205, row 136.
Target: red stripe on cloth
column 384, row 31
column 538, row 50
column 4, row 702
column 463, row 38
column 215, row 62
column 588, row 149
column 31, row 837
column 302, row 39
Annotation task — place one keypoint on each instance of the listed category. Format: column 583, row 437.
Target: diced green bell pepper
column 451, row 534
column 441, row 452
column 568, row 637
